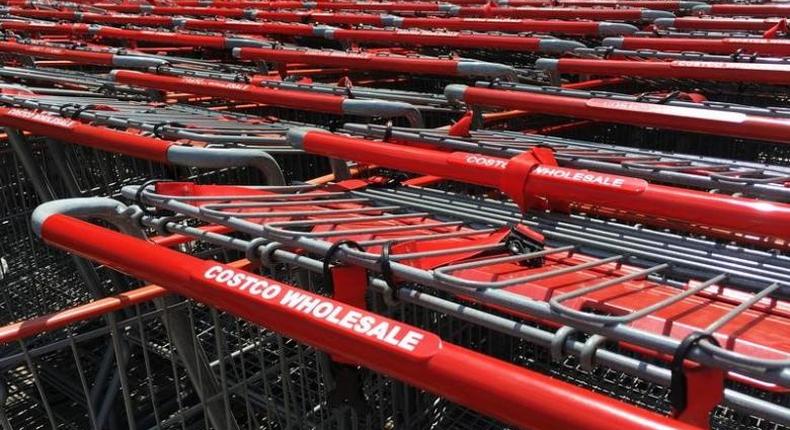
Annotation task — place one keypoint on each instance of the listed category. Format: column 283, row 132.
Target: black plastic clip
column 157, row 130
column 76, row 114
column 517, row 243
column 386, row 272
column 138, row 195
column 678, row 395
column 328, row 260
column 387, row 131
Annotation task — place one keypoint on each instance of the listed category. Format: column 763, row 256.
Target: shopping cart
column 328, row 224
column 408, row 243
column 332, row 340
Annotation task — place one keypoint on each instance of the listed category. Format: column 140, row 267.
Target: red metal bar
column 775, row 47
column 504, row 25
column 533, row 176
column 708, row 23
column 766, row 9
column 73, row 131
column 43, row 51
column 60, row 319
column 94, row 18
column 157, row 37
column 354, row 61
column 697, row 120
column 248, row 27
column 47, row 323
column 449, row 39
column 234, row 91
column 702, row 70
column 598, row 14
column 507, row 392
column 672, row 5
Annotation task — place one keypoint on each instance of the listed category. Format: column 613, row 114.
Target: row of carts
column 400, row 215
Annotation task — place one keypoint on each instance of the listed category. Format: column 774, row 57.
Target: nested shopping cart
column 462, row 268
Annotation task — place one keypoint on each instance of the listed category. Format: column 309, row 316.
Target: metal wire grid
column 401, row 199
column 267, row 381
column 36, row 279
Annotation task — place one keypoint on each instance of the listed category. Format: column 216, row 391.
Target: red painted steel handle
column 75, row 132
column 199, row 11
column 248, row 27
column 771, row 10
column 597, row 14
column 505, row 25
column 233, row 91
column 45, row 27
column 777, row 47
column 524, row 178
column 455, row 40
column 95, row 18
column 84, row 57
column 354, row 61
column 499, row 389
column 157, row 37
column 702, row 70
column 698, row 120
column 692, row 23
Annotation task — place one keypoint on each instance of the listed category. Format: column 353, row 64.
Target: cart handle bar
column 533, row 177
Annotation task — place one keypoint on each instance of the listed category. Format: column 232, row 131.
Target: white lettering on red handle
column 215, row 84
column 479, row 160
column 41, row 117
column 632, row 185
column 361, row 323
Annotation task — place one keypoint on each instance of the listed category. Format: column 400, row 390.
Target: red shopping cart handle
column 699, row 70
column 502, row 24
column 768, row 9
column 490, row 386
column 710, row 23
column 449, row 39
column 157, row 37
column 533, row 176
column 79, row 56
column 368, row 61
column 670, row 5
column 248, row 27
column 92, row 18
column 74, row 131
column 646, row 114
column 238, row 91
column 774, row 47
column 593, row 13
column 287, row 98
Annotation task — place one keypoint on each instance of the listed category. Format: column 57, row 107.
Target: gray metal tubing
column 219, row 158
column 22, row 150
column 63, row 169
